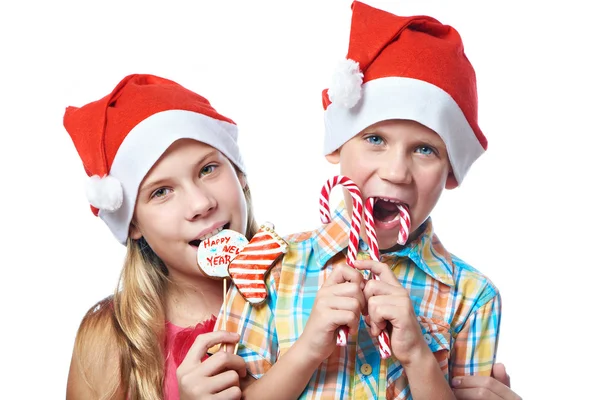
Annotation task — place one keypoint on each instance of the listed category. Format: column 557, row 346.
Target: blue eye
column 375, row 139
column 425, row 150
column 158, row 193
column 208, row 169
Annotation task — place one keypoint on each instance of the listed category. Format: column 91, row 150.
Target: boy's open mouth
column 196, row 242
column 387, row 210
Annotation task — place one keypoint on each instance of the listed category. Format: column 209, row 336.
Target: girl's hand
column 218, row 377
column 496, row 387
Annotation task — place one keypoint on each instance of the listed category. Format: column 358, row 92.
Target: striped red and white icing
column 248, row 269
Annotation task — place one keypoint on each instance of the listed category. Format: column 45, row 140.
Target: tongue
column 385, row 211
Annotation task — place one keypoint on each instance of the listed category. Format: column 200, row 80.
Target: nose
column 201, row 202
column 396, row 168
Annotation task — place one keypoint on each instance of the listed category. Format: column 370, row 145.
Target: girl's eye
column 208, row 169
column 158, row 193
column 426, row 150
column 375, row 139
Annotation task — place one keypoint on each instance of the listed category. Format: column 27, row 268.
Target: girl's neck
column 193, row 301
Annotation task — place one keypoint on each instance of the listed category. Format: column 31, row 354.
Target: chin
column 388, row 244
column 240, row 228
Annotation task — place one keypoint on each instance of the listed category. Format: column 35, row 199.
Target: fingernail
column 456, row 382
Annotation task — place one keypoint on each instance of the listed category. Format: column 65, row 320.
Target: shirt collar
column 426, row 250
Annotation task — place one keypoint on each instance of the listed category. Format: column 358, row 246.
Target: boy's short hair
column 410, row 68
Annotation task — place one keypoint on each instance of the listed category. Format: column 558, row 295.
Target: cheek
column 157, row 224
column 355, row 167
column 431, row 185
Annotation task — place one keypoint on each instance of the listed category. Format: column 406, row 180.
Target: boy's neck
column 413, row 236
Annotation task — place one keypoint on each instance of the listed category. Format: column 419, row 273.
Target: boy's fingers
column 350, row 293
column 345, row 304
column 343, row 273
column 380, row 269
column 381, row 288
column 377, row 319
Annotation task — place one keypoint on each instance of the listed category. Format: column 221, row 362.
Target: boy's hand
column 339, row 302
column 216, row 377
column 388, row 301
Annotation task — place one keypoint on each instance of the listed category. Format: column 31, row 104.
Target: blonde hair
column 136, row 314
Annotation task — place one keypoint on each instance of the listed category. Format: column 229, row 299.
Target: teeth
column 213, row 233
column 390, row 200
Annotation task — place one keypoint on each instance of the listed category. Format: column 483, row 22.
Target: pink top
column 177, row 343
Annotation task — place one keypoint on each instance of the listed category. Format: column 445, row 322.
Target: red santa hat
column 405, row 68
column 122, row 135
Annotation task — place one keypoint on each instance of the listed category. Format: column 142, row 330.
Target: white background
column 526, row 215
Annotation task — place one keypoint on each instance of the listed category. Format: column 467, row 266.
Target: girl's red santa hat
column 122, row 135
column 410, row 68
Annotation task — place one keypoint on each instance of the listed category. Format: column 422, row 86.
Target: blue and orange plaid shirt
column 457, row 307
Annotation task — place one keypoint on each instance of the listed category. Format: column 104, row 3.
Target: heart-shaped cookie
column 216, row 253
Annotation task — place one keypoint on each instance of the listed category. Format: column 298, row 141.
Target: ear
column 134, row 232
column 451, row 182
column 333, row 158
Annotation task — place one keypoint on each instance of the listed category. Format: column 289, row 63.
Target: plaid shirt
column 457, row 307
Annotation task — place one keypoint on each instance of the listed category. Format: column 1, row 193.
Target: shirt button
column 366, row 369
column 363, row 245
column 427, row 338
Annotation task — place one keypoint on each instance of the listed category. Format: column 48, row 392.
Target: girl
column 165, row 173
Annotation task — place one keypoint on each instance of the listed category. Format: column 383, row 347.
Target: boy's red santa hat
column 122, row 135
column 410, row 68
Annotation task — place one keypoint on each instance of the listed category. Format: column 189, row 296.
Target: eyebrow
column 161, row 181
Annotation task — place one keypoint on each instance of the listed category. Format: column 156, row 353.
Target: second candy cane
column 357, row 211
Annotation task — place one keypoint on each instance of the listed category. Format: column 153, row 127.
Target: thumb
column 499, row 373
column 204, row 342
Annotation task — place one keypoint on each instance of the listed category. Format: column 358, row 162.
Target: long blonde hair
column 138, row 319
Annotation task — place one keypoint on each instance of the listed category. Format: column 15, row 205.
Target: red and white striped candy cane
column 404, row 225
column 403, row 233
column 385, row 349
column 357, row 211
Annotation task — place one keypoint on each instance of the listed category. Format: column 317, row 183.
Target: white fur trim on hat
column 412, row 99
column 146, row 143
column 345, row 88
column 104, row 193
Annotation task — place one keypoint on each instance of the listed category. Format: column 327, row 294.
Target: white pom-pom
column 104, row 193
column 346, row 85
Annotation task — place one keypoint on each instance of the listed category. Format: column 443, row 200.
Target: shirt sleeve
column 475, row 345
column 255, row 324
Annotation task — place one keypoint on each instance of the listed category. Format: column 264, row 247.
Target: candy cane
column 384, row 338
column 404, row 225
column 403, row 233
column 357, row 210
column 342, row 338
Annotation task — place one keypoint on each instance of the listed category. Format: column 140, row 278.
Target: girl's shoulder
column 100, row 315
column 95, row 364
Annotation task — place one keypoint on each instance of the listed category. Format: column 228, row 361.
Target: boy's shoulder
column 299, row 237
column 471, row 281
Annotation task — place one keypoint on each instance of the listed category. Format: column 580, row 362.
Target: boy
column 401, row 121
